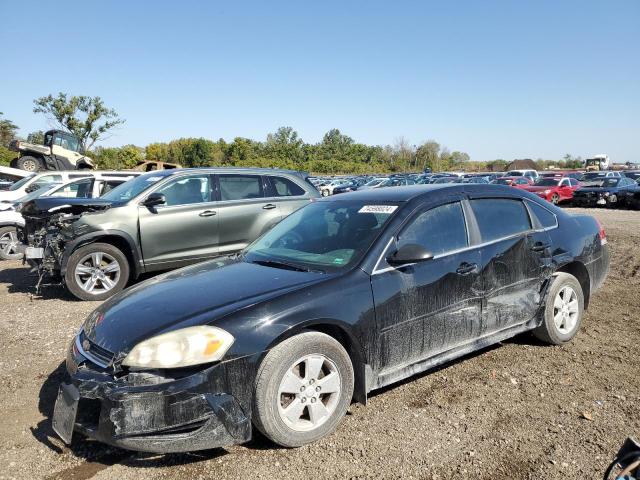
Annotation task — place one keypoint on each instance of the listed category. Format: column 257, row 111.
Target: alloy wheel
column 97, row 273
column 566, row 310
column 309, row 392
column 9, row 243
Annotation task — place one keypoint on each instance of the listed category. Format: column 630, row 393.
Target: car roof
column 400, row 194
column 266, row 171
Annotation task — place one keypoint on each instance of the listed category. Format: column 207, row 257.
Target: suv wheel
column 28, row 163
column 303, row 389
column 563, row 310
column 96, row 271
column 9, row 244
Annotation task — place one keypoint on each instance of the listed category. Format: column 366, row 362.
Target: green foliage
column 36, row 137
column 7, row 131
column 86, row 117
column 117, row 158
column 6, row 156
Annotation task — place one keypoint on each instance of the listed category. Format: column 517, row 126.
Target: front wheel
column 325, row 193
column 555, row 198
column 303, row 389
column 563, row 311
column 96, row 271
column 9, row 244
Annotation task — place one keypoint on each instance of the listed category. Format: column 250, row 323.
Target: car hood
column 46, row 206
column 196, row 295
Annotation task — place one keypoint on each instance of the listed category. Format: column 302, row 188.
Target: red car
column 554, row 190
column 518, row 182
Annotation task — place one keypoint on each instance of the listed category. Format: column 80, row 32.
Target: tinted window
column 439, row 230
column 240, row 187
column 283, row 187
column 573, row 182
column 500, row 217
column 186, row 190
column 544, row 216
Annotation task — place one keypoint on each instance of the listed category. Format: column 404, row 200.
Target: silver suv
column 158, row 221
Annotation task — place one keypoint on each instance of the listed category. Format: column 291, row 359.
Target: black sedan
column 351, row 186
column 609, row 192
column 344, row 296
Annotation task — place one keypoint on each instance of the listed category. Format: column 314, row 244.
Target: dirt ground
column 517, row 410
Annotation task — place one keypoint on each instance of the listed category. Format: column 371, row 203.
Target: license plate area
column 65, row 411
column 33, row 252
column 601, row 201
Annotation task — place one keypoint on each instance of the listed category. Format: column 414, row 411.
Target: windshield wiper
column 284, row 265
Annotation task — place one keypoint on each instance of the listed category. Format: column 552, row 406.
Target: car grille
column 95, row 353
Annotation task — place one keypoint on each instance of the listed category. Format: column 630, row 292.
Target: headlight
column 181, row 348
column 606, row 194
column 547, row 192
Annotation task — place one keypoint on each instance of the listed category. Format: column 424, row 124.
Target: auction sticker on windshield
column 388, row 209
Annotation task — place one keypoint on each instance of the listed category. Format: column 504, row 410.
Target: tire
column 8, row 243
column 29, row 164
column 87, row 282
column 325, row 193
column 555, row 199
column 287, row 361
column 569, row 320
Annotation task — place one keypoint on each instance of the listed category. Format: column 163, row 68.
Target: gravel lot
column 517, row 410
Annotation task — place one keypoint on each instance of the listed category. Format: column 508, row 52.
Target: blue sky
column 497, row 79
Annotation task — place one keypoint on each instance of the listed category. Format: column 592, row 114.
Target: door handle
column 467, row 268
column 207, row 213
column 540, row 246
column 269, row 206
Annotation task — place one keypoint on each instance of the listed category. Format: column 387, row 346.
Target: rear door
column 286, row 193
column 429, row 307
column 515, row 261
column 183, row 230
column 245, row 212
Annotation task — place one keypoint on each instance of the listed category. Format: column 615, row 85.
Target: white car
column 34, row 181
column 532, row 174
column 87, row 187
column 327, row 190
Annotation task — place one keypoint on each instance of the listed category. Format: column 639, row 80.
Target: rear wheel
column 555, row 198
column 303, row 389
column 9, row 244
column 96, row 271
column 563, row 311
column 28, row 163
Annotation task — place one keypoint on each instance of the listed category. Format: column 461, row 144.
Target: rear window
column 546, row 218
column 283, row 187
column 500, row 217
column 240, row 187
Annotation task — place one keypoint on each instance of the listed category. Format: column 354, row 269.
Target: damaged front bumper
column 152, row 412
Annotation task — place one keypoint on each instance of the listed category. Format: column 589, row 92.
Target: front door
column 433, row 306
column 183, row 230
column 515, row 262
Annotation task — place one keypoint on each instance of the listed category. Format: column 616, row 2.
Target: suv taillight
column 601, row 233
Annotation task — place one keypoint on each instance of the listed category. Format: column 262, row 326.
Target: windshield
column 132, row 188
column 37, row 193
column 322, row 236
column 514, row 173
column 548, row 182
column 21, row 182
column 375, row 181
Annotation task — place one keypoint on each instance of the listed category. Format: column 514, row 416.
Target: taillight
column 601, row 233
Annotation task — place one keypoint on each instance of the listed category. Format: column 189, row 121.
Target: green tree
column 125, row 157
column 428, row 155
column 86, row 117
column 8, row 131
column 36, row 137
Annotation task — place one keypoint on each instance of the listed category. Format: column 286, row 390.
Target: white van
column 35, row 181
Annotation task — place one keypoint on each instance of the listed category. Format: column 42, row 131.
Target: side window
column 283, row 187
column 573, row 182
column 108, row 185
column 240, row 187
column 500, row 217
column 46, row 179
column 187, row 190
column 441, row 229
column 546, row 218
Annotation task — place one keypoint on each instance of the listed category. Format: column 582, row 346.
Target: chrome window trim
column 377, row 271
column 88, row 355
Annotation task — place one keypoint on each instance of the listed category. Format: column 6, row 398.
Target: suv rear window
column 500, row 217
column 240, row 187
column 283, row 187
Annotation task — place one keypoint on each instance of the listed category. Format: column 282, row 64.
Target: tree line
column 90, row 120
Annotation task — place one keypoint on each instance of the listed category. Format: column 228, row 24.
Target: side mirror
column 409, row 253
column 155, row 199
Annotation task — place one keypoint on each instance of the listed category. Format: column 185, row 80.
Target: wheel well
column 337, row 333
column 579, row 271
column 122, row 245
